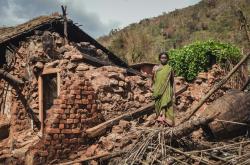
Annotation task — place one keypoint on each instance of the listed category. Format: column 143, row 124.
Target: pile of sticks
column 156, row 147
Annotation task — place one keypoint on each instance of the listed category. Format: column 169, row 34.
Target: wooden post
column 64, row 8
column 40, row 97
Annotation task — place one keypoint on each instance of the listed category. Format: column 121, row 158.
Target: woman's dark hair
column 163, row 53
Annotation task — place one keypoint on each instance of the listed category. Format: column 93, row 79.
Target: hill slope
column 209, row 19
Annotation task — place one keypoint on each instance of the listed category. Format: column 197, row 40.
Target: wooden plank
column 40, row 98
column 50, row 71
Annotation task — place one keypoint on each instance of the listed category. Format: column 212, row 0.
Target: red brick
column 74, row 87
column 52, row 130
column 58, row 146
column 90, row 97
column 61, row 136
column 82, row 82
column 64, row 116
column 55, row 136
column 54, row 142
column 63, row 106
column 63, row 92
column 83, row 120
column 46, row 142
column 66, row 111
column 57, row 101
column 63, row 121
column 61, row 126
column 48, row 137
column 72, row 116
column 70, row 101
column 90, row 89
column 63, row 97
column 85, row 101
column 77, row 101
column 69, row 121
column 76, row 120
column 88, row 106
column 94, row 106
column 43, row 153
column 74, row 140
column 72, row 111
column 76, row 131
column 88, row 92
column 65, row 140
column 56, row 121
column 75, row 92
column 87, row 83
column 58, row 111
column 67, row 126
column 83, row 116
column 78, row 96
column 66, row 131
column 78, row 116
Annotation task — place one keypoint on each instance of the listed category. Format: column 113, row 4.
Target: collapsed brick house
column 53, row 88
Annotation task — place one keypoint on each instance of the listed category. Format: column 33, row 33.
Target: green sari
column 163, row 92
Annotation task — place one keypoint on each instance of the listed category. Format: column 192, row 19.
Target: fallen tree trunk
column 188, row 127
column 234, row 115
column 10, row 78
column 214, row 89
column 148, row 109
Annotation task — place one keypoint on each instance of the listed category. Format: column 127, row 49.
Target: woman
column 163, row 90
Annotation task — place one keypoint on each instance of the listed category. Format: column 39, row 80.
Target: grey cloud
column 14, row 12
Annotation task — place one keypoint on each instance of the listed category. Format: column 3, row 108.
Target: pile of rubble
column 199, row 87
column 118, row 92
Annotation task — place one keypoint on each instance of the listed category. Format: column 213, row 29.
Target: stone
column 91, row 150
column 82, row 67
column 71, row 66
column 76, row 57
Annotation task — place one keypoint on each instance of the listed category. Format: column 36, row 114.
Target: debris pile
column 117, row 91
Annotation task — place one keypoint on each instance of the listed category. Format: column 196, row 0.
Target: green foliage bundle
column 199, row 56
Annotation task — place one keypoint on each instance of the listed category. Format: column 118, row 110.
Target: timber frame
column 40, row 92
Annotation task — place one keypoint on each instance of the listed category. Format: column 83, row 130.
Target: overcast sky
column 98, row 17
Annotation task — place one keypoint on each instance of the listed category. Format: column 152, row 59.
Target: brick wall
column 75, row 110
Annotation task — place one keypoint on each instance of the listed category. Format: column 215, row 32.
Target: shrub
column 199, row 56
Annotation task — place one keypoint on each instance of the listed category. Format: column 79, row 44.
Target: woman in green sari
column 163, row 90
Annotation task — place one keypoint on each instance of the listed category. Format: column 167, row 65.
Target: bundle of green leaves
column 200, row 56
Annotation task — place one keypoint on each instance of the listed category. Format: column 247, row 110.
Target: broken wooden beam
column 147, row 109
column 104, row 156
column 101, row 128
column 214, row 89
column 10, row 78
